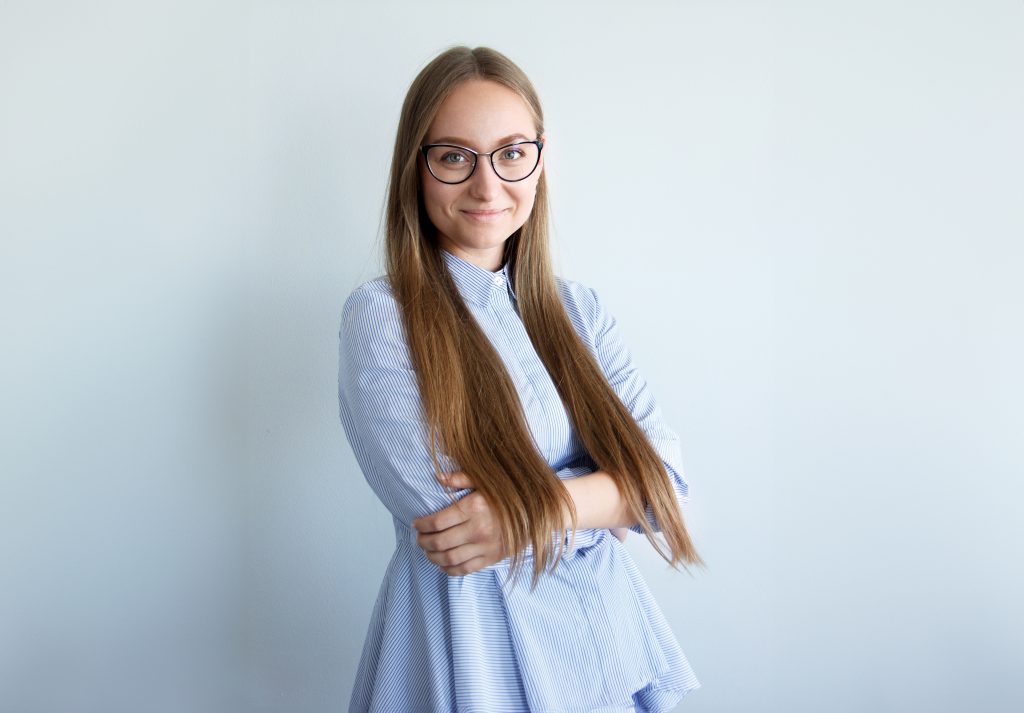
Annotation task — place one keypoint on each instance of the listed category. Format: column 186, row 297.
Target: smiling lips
column 484, row 216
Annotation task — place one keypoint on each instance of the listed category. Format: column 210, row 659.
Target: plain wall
column 806, row 216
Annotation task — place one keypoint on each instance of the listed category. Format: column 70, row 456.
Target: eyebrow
column 511, row 138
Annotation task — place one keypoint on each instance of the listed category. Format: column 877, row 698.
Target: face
column 475, row 218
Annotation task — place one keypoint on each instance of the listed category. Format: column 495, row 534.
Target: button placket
column 506, row 320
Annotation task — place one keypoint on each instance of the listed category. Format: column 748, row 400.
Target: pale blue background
column 807, row 217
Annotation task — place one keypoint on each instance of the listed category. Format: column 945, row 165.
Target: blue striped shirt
column 590, row 637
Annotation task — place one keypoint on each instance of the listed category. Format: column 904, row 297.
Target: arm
column 598, row 502
column 617, row 364
column 464, row 537
column 380, row 406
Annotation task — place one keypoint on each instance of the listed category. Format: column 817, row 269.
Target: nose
column 484, row 183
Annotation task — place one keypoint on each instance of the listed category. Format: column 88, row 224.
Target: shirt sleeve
column 616, row 361
column 380, row 407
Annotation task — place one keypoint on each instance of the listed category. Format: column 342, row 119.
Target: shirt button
column 498, row 279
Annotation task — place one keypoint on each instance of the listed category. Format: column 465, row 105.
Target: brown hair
column 467, row 395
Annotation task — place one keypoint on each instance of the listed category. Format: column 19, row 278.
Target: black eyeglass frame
column 476, row 160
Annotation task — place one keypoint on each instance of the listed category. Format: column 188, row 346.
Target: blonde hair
column 467, row 395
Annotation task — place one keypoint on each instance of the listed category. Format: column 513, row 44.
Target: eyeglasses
column 454, row 164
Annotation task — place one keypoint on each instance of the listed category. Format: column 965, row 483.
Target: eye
column 454, row 158
column 511, row 153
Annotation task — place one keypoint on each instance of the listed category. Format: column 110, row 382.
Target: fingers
column 442, row 519
column 455, row 557
column 457, row 480
column 462, row 560
column 474, row 565
column 459, row 560
column 453, row 537
column 461, row 538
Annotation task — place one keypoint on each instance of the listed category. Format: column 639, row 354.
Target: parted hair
column 471, row 408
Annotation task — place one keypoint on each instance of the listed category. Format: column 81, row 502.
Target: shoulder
column 584, row 307
column 372, row 300
column 371, row 318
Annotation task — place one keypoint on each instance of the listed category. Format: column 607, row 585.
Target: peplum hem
column 589, row 639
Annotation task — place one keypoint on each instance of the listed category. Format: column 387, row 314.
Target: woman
column 470, row 377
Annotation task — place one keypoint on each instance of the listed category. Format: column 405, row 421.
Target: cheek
column 525, row 196
column 435, row 201
column 524, row 207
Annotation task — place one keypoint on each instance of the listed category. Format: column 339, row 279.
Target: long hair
column 471, row 407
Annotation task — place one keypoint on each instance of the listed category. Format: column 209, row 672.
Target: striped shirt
column 590, row 637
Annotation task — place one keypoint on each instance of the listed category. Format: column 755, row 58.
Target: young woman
column 495, row 411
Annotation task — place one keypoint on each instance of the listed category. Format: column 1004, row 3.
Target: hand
column 464, row 537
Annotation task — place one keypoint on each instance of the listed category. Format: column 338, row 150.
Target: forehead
column 479, row 113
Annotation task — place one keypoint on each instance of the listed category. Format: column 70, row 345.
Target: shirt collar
column 475, row 283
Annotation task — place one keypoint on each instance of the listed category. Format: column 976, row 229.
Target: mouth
column 484, row 216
